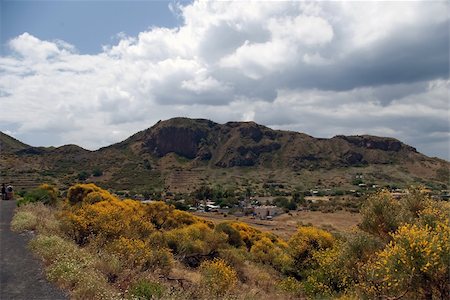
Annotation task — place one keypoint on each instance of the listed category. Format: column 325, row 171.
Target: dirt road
column 21, row 274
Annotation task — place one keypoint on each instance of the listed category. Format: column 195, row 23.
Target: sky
column 92, row 73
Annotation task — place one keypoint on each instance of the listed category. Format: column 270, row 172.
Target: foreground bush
column 416, row 261
column 138, row 254
column 218, row 277
column 100, row 220
column 143, row 290
column 302, row 246
column 196, row 239
column 381, row 215
column 36, row 217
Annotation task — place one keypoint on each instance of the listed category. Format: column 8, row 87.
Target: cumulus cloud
column 323, row 68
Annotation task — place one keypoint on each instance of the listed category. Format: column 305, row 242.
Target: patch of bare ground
column 286, row 224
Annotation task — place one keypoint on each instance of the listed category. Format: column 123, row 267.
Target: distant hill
column 180, row 154
column 9, row 144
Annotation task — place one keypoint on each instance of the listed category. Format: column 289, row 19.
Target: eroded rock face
column 353, row 158
column 31, row 151
column 241, row 144
column 371, row 142
column 183, row 141
column 253, row 132
column 245, row 156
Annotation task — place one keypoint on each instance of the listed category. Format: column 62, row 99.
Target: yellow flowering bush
column 275, row 254
column 218, row 277
column 107, row 219
column 434, row 214
column 165, row 217
column 303, row 244
column 136, row 253
column 88, row 193
column 234, row 237
column 291, row 286
column 248, row 234
column 416, row 261
column 194, row 239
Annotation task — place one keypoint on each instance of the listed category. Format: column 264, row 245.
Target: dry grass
column 286, row 224
column 35, row 217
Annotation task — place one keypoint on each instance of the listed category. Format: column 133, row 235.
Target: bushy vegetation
column 45, row 194
column 100, row 247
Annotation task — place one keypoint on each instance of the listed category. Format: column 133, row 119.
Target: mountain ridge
column 193, row 152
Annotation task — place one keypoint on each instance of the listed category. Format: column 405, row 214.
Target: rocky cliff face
column 379, row 143
column 241, row 144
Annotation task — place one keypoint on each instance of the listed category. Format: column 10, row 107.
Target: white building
column 265, row 211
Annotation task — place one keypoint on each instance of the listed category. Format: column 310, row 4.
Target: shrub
column 166, row 217
column 291, row 286
column 218, row 277
column 380, row 215
column 412, row 203
column 24, row 220
column 35, row 216
column 434, row 213
column 88, row 193
column 275, row 254
column 53, row 247
column 194, row 239
column 234, row 238
column 45, row 193
column 136, row 253
column 328, row 275
column 303, row 244
column 336, row 270
column 83, row 175
column 97, row 173
column 236, row 258
column 101, row 220
column 93, row 285
column 147, row 290
column 248, row 234
column 414, row 262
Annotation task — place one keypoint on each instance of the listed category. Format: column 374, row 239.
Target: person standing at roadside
column 3, row 192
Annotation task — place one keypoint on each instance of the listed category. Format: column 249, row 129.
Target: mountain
column 181, row 154
column 9, row 144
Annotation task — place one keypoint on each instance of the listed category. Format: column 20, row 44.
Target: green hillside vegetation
column 97, row 246
column 9, row 144
column 180, row 155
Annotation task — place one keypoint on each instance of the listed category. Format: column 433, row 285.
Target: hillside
column 9, row 144
column 180, row 154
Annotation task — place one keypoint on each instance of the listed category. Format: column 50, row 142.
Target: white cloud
column 324, row 68
column 259, row 59
column 303, row 29
column 34, row 49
